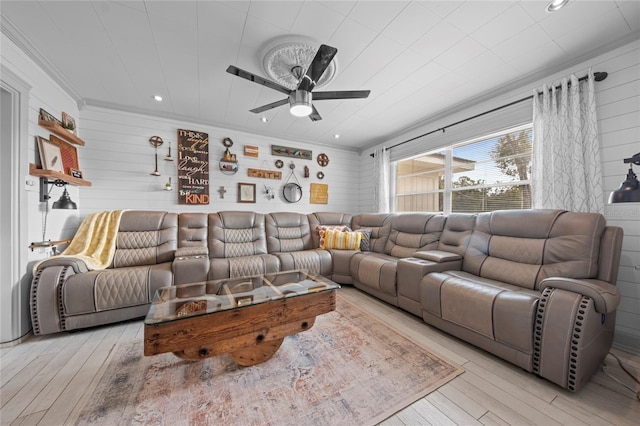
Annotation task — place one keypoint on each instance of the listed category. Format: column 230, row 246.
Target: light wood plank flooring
column 46, row 379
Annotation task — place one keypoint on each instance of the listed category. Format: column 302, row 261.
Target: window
column 485, row 174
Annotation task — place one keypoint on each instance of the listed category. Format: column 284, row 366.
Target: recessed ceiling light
column 157, row 98
column 264, row 119
column 556, row 5
column 336, row 136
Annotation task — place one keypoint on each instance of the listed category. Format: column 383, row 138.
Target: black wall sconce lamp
column 64, row 202
column 629, row 191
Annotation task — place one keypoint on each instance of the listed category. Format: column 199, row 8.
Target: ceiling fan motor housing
column 300, row 103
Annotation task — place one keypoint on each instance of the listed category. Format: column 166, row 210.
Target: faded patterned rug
column 348, row 369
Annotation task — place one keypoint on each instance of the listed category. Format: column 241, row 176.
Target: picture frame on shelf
column 68, row 122
column 69, row 155
column 246, row 192
column 45, row 116
column 50, row 155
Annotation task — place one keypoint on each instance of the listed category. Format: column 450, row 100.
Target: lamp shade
column 65, row 202
column 629, row 191
column 300, row 103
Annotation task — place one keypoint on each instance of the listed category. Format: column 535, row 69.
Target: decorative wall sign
column 265, row 174
column 193, row 167
column 251, row 150
column 319, row 193
column 44, row 115
column 284, row 151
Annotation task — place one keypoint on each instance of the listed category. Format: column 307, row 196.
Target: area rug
column 348, row 369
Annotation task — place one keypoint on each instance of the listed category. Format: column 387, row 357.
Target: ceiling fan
column 299, row 99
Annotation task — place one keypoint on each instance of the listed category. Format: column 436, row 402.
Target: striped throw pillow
column 342, row 240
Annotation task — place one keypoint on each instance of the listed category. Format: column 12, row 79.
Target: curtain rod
column 598, row 76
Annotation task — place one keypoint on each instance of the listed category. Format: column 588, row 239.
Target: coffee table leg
column 255, row 354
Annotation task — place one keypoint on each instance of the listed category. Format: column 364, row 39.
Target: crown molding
column 87, row 103
column 25, row 45
column 514, row 85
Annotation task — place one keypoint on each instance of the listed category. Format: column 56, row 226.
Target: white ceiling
column 417, row 57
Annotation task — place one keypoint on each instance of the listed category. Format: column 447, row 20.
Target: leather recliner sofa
column 534, row 287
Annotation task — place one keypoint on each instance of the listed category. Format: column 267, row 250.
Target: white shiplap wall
column 618, row 109
column 44, row 93
column 118, row 160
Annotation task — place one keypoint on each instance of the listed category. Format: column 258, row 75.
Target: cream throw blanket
column 95, row 240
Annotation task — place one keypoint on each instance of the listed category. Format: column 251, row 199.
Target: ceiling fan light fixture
column 556, row 5
column 300, row 103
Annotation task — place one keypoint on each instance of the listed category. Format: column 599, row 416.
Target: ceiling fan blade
column 270, row 106
column 320, row 62
column 315, row 115
column 345, row 94
column 257, row 79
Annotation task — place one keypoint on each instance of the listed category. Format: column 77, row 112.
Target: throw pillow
column 324, row 228
column 342, row 240
column 365, row 243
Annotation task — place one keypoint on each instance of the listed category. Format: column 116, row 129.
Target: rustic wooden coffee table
column 247, row 317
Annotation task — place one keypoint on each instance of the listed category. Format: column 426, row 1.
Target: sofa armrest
column 76, row 264
column 605, row 296
column 437, row 256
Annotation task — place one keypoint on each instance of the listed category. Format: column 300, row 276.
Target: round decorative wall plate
column 323, row 159
column 279, row 164
column 320, row 175
column 227, row 142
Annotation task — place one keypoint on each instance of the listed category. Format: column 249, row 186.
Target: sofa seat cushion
column 108, row 289
column 375, row 270
column 316, row 261
column 243, row 266
column 499, row 311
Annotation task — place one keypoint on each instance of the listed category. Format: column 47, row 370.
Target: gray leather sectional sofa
column 534, row 287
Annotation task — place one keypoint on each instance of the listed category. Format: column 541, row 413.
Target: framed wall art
column 246, row 192
column 68, row 122
column 50, row 155
column 69, row 154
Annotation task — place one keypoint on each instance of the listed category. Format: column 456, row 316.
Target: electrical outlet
column 31, row 185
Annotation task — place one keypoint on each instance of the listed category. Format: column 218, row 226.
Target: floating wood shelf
column 50, row 174
column 54, row 127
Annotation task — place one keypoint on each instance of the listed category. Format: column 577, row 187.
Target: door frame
column 17, row 197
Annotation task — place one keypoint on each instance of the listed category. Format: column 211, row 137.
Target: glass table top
column 188, row 300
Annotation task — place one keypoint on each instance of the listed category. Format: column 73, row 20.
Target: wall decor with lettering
column 193, row 167
column 286, row 151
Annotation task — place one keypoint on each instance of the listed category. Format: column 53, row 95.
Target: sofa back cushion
column 411, row 232
column 145, row 238
column 236, row 234
column 192, row 230
column 380, row 225
column 523, row 247
column 318, row 219
column 288, row 232
column 457, row 233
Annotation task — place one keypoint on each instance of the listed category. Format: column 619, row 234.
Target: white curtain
column 381, row 176
column 566, row 169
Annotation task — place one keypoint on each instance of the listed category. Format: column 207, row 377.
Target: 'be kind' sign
column 193, row 167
